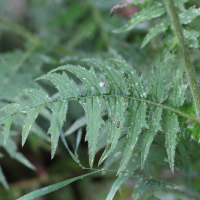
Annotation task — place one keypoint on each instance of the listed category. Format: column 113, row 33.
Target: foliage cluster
column 137, row 117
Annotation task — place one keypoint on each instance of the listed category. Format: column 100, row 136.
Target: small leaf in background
column 184, row 158
column 52, row 188
column 3, row 179
column 115, row 187
column 145, row 14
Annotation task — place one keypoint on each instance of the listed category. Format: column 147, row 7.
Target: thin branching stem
column 172, row 12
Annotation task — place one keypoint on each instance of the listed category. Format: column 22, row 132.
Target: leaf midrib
column 111, row 95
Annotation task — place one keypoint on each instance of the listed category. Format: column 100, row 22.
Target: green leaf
column 192, row 38
column 39, row 96
column 144, row 184
column 88, row 77
column 85, row 30
column 177, row 90
column 160, row 27
column 3, row 179
column 11, row 148
column 59, row 110
column 194, row 130
column 74, row 157
column 145, row 14
column 133, row 164
column 115, row 187
column 115, row 78
column 115, row 155
column 80, row 122
column 141, row 187
column 66, row 87
column 158, row 87
column 52, row 188
column 20, row 158
column 92, row 107
column 154, row 126
column 171, row 128
column 153, row 198
column 188, row 15
column 185, row 162
column 135, row 84
column 102, row 142
column 78, row 139
column 116, row 110
column 136, row 121
column 29, row 120
column 6, row 127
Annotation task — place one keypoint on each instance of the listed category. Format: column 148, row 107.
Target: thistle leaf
column 171, row 128
column 135, row 84
column 88, row 77
column 92, row 107
column 144, row 184
column 29, row 120
column 39, row 96
column 149, row 134
column 116, row 110
column 52, row 188
column 160, row 27
column 3, row 179
column 188, row 15
column 115, row 187
column 177, row 91
column 136, row 121
column 59, row 110
column 145, row 14
column 66, row 87
column 6, row 127
column 141, row 187
column 115, row 78
column 158, row 88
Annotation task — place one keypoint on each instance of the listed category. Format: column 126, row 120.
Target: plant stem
column 171, row 9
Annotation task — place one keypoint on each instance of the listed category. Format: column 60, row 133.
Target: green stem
column 20, row 31
column 171, row 9
column 190, row 117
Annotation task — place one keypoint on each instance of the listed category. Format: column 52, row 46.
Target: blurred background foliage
column 65, row 31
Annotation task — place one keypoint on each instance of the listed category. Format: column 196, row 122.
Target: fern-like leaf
column 135, row 84
column 116, row 107
column 116, row 80
column 171, row 128
column 149, row 134
column 92, row 107
column 145, row 14
column 136, row 121
column 115, row 187
column 59, row 110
